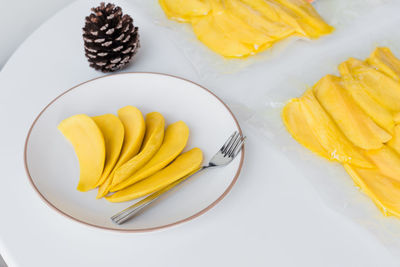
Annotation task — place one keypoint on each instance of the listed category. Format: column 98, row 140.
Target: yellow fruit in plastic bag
column 381, row 87
column 353, row 108
column 240, row 28
column 368, row 104
column 328, row 134
column 385, row 192
column 384, row 60
column 185, row 10
column 360, row 129
column 298, row 127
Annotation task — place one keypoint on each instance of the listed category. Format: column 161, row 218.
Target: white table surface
column 21, row 19
column 272, row 217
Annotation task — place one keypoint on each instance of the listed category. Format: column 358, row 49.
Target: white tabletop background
column 272, row 217
column 14, row 30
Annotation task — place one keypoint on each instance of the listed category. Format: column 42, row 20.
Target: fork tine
column 223, row 148
column 233, row 145
column 238, row 148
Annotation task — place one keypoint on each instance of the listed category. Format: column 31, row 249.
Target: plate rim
column 141, row 230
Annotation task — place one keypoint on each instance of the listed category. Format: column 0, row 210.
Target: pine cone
column 110, row 38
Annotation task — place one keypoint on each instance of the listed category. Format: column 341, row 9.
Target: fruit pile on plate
column 127, row 155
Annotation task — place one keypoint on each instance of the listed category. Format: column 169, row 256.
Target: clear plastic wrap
column 338, row 13
column 333, row 184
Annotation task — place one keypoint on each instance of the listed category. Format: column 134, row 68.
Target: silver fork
column 225, row 155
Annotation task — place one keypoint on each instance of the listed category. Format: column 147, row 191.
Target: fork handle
column 133, row 210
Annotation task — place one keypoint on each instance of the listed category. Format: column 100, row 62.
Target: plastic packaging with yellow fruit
column 353, row 119
column 241, row 28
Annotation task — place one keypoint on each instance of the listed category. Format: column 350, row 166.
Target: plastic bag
column 338, row 13
column 334, row 185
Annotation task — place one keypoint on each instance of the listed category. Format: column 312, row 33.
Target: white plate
column 53, row 168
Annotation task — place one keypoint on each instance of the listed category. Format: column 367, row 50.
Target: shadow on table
column 2, row 262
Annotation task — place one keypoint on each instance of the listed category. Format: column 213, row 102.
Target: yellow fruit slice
column 275, row 30
column 346, row 67
column 163, row 190
column 382, row 88
column 387, row 161
column 385, row 192
column 134, row 128
column 384, row 60
column 175, row 139
column 88, row 142
column 185, row 10
column 215, row 39
column 394, row 143
column 308, row 17
column 360, row 129
column 275, row 12
column 235, row 28
column 155, row 124
column 376, row 111
column 305, row 21
column 328, row 134
column 298, row 127
column 113, row 132
column 182, row 166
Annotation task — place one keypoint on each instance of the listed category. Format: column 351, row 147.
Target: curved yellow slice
column 346, row 67
column 134, row 127
column 376, row 111
column 299, row 15
column 275, row 30
column 360, row 129
column 89, row 146
column 329, row 135
column 163, row 190
column 185, row 10
column 213, row 37
column 155, row 124
column 235, row 28
column 298, row 127
column 387, row 161
column 113, row 133
column 394, row 143
column 307, row 17
column 275, row 12
column 174, row 142
column 385, row 192
column 183, row 165
column 381, row 87
column 384, row 60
